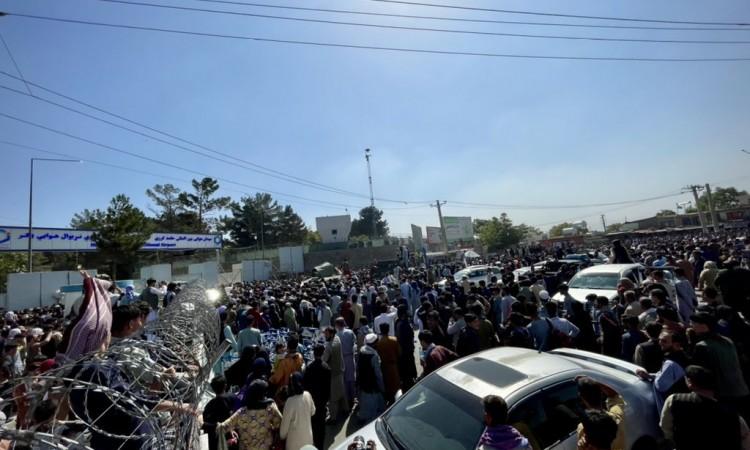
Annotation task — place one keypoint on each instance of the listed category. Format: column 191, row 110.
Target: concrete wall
column 159, row 272
column 291, row 259
column 357, row 257
column 31, row 290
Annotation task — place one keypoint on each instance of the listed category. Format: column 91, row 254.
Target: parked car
column 602, row 280
column 475, row 274
column 444, row 410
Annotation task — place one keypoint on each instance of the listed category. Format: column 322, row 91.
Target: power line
column 575, row 16
column 437, row 30
column 156, row 161
column 15, row 64
column 378, row 48
column 182, row 147
column 259, row 168
column 471, row 20
column 593, row 205
column 138, row 171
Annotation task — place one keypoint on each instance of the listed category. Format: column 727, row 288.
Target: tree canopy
column 363, row 224
column 202, row 202
column 723, row 198
column 259, row 219
column 500, row 233
column 119, row 232
column 666, row 212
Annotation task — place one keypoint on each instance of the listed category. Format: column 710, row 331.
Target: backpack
column 556, row 338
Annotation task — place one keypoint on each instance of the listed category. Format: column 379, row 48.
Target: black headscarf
column 255, row 398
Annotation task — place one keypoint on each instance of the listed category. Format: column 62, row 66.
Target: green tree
column 171, row 215
column 723, row 198
column 260, row 219
column 12, row 263
column 87, row 219
column 666, row 212
column 290, row 228
column 614, row 228
column 363, row 224
column 121, row 233
column 312, row 237
column 500, row 233
column 202, row 202
column 558, row 229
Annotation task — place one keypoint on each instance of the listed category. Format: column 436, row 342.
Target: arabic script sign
column 15, row 239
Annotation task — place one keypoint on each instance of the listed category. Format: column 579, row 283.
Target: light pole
column 31, row 196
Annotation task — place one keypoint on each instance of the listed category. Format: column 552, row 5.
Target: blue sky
column 472, row 129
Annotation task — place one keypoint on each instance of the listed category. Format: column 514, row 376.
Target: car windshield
column 595, row 281
column 436, row 414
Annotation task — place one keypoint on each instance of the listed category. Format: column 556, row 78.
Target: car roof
column 505, row 370
column 609, row 268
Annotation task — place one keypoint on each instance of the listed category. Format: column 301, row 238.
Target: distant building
column 738, row 217
column 333, row 229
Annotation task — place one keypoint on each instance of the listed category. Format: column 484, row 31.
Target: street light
column 31, row 195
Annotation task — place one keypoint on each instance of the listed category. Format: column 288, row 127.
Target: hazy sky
column 528, row 132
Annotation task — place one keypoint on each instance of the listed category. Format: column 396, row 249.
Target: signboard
column 177, row 241
column 16, row 239
column 416, row 234
column 458, row 229
column 433, row 235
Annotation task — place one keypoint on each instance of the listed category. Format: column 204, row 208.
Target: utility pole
column 712, row 209
column 443, row 235
column 702, row 219
column 372, row 196
column 604, row 224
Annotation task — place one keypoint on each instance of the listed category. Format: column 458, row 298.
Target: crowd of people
column 372, row 325
column 376, row 334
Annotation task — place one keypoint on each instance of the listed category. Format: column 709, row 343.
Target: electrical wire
column 155, row 175
column 574, row 16
column 178, row 146
column 15, row 64
column 470, row 20
column 410, row 28
column 156, row 161
column 259, row 168
column 374, row 47
column 593, row 205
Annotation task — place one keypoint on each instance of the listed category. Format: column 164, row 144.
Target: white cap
column 544, row 295
column 371, row 338
column 36, row 332
column 14, row 333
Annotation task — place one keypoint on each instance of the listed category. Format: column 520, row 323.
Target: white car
column 444, row 410
column 475, row 274
column 602, row 280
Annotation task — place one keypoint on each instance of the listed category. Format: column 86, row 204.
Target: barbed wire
column 141, row 393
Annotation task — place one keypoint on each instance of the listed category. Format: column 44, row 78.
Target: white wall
column 334, row 228
column 159, row 272
column 30, row 290
column 256, row 270
column 291, row 259
column 208, row 272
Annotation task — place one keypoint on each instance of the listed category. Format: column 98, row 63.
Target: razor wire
column 140, row 393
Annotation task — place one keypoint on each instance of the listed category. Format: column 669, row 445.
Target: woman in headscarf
column 257, row 422
column 296, row 425
column 620, row 253
column 237, row 373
